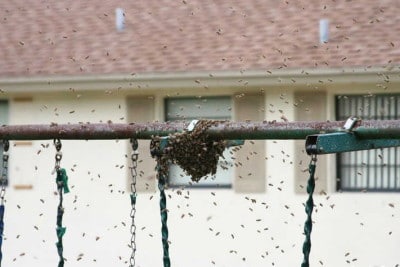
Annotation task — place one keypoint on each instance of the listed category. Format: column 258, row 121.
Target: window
column 371, row 170
column 189, row 108
column 3, row 121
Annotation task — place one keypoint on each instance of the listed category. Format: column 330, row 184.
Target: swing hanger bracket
column 192, row 125
column 350, row 123
column 345, row 141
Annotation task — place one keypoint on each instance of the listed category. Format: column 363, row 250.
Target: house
column 119, row 61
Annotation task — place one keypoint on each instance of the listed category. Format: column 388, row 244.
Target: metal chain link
column 309, row 208
column 4, row 174
column 134, row 158
column 162, row 169
column 61, row 181
column 57, row 144
column 164, row 214
column 3, row 184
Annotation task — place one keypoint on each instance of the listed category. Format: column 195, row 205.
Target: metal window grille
column 189, row 108
column 370, row 170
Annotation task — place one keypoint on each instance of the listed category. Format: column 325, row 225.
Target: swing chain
column 309, row 208
column 62, row 187
column 156, row 148
column 4, row 174
column 313, row 160
column 3, row 184
column 134, row 158
column 57, row 144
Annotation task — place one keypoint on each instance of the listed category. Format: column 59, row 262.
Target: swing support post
column 224, row 130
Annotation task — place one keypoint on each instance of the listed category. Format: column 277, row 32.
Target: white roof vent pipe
column 119, row 19
column 323, row 31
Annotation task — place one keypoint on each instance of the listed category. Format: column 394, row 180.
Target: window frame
column 201, row 184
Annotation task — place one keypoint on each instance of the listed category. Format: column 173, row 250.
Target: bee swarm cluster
column 193, row 152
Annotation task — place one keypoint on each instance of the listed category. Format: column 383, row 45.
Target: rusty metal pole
column 389, row 129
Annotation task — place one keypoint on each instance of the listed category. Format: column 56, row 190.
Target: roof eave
column 201, row 79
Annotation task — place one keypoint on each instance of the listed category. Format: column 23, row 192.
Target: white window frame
column 180, row 108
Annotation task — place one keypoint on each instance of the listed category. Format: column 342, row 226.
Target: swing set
column 196, row 147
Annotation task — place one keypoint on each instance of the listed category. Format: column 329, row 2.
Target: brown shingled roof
column 80, row 37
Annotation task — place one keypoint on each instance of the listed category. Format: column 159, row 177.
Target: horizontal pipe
column 388, row 129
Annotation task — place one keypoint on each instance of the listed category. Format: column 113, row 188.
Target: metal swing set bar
column 224, row 130
column 321, row 138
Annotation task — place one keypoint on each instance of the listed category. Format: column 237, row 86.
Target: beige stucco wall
column 223, row 226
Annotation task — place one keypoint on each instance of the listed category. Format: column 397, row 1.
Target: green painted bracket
column 163, row 142
column 156, row 147
column 344, row 142
column 230, row 143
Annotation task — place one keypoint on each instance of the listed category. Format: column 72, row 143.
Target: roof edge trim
column 200, row 79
